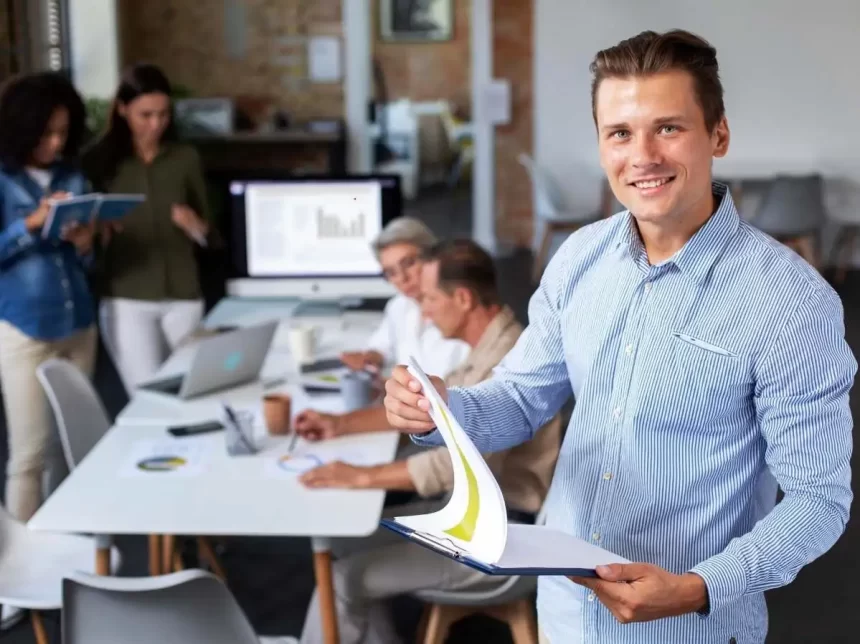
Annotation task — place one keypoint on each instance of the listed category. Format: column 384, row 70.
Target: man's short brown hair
column 463, row 263
column 651, row 53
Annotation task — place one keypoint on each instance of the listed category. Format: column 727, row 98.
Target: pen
column 293, row 442
column 235, row 421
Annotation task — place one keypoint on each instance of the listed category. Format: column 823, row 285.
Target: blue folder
column 86, row 209
column 563, row 568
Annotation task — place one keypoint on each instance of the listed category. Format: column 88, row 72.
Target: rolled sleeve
column 431, row 471
column 15, row 239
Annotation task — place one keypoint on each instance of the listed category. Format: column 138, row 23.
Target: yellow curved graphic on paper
column 465, row 530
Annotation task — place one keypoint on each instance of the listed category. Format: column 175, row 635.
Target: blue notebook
column 86, row 209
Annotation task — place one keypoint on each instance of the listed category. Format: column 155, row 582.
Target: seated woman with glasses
column 404, row 331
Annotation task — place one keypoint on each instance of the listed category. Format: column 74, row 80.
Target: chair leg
column 441, row 618
column 522, row 622
column 540, row 258
column 155, row 554
column 38, row 627
column 208, row 553
column 807, row 249
column 421, row 631
column 844, row 252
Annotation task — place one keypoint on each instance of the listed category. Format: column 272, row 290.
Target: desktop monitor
column 311, row 236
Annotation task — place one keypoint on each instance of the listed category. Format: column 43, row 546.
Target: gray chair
column 507, row 599
column 793, row 212
column 82, row 421
column 184, row 607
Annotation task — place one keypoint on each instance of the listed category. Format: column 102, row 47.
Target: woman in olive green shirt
column 148, row 281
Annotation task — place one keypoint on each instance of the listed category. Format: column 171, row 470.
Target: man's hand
column 641, row 592
column 81, row 235
column 405, row 407
column 358, row 360
column 314, row 426
column 337, row 475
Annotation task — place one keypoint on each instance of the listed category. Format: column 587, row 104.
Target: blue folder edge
column 488, row 569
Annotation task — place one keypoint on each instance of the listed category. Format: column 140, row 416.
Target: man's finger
column 623, row 572
column 406, row 411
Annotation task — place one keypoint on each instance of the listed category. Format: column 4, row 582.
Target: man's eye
column 620, row 134
column 669, row 129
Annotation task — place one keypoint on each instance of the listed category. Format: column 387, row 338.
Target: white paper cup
column 303, row 343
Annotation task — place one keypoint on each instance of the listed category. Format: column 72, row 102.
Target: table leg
column 325, row 590
column 102, row 561
column 168, row 547
column 154, row 554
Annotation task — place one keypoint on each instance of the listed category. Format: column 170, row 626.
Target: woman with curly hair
column 151, row 297
column 46, row 309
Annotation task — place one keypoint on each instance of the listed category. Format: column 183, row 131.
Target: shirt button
column 607, row 476
column 647, row 287
column 628, row 349
column 69, row 305
column 617, row 412
column 591, row 597
column 595, row 536
column 65, row 283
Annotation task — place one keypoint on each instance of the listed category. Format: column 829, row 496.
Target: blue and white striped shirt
column 698, row 381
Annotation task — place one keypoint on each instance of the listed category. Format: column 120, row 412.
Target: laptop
column 220, row 362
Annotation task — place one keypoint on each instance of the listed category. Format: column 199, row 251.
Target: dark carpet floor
column 273, row 578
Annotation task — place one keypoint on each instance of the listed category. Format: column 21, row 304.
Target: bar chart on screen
column 303, row 230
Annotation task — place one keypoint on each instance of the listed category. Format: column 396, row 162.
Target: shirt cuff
column 725, row 579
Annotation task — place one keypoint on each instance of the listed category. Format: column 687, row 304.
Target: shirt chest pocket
column 702, row 381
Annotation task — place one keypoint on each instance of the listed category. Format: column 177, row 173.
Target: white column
column 357, row 54
column 94, row 45
column 483, row 173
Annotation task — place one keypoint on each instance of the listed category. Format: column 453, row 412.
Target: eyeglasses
column 390, row 272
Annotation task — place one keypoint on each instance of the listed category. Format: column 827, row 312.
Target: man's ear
column 721, row 138
column 464, row 298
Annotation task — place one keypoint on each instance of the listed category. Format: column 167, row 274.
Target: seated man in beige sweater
column 460, row 296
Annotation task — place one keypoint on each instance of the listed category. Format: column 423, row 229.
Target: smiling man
column 708, row 364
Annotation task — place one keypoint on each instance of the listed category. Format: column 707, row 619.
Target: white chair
column 33, row 565
column 401, row 137
column 82, row 421
column 184, row 607
column 550, row 211
column 507, row 599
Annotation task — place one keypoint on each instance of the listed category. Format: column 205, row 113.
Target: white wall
column 792, row 90
column 95, row 46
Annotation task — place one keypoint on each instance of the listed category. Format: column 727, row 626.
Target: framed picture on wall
column 416, row 20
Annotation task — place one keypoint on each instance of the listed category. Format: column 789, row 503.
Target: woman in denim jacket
column 46, row 309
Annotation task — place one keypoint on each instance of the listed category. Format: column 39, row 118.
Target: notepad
column 85, row 209
column 473, row 526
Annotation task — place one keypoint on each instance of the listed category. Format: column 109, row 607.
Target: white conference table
column 223, row 495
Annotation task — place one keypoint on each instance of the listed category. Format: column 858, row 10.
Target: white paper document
column 307, row 456
column 473, row 526
column 165, row 459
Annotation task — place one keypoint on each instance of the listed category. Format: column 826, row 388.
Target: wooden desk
column 286, row 150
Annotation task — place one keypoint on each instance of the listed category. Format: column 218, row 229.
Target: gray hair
column 404, row 230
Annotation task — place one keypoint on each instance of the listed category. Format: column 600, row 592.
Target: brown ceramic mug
column 276, row 411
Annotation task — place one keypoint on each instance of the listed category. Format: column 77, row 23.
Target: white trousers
column 140, row 334
column 33, row 442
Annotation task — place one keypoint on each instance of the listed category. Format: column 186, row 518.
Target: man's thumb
column 620, row 572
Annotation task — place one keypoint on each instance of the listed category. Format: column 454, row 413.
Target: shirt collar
column 698, row 255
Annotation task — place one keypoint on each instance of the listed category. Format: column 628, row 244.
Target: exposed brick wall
column 428, row 71
column 512, row 59
column 186, row 38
